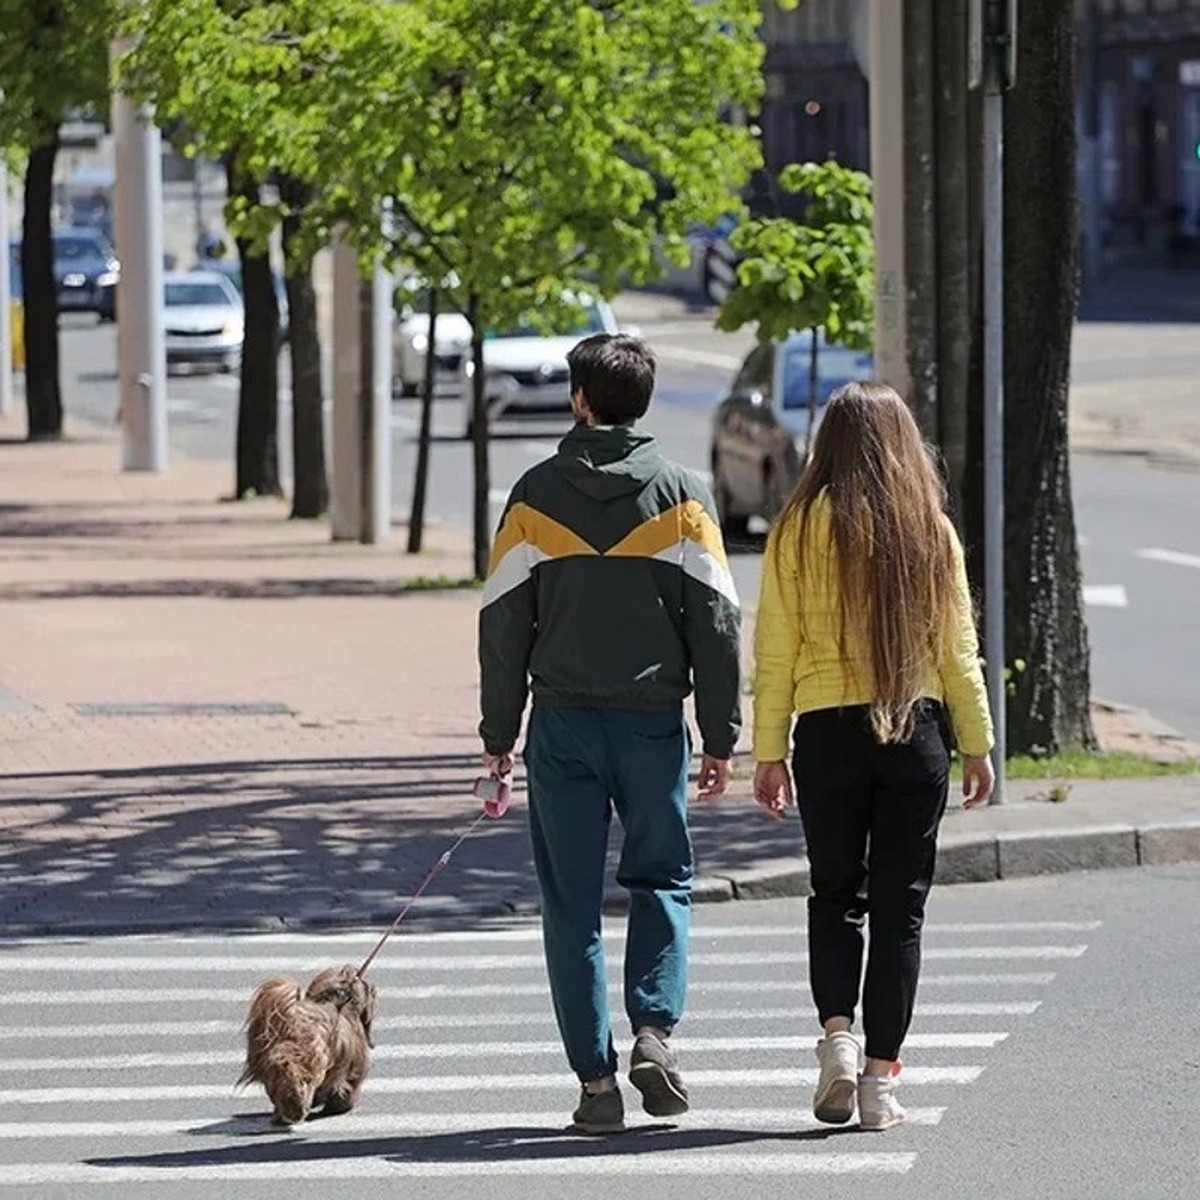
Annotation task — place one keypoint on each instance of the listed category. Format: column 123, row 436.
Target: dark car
column 760, row 428
column 85, row 272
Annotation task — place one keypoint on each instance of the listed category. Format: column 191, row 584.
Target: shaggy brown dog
column 310, row 1047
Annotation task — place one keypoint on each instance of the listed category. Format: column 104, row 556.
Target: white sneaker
column 838, row 1055
column 878, row 1107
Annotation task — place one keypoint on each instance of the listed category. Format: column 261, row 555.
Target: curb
column 987, row 859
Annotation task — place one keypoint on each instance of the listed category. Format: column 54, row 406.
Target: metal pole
column 378, row 524
column 993, row 388
column 7, row 402
column 886, row 55
column 1089, row 142
column 141, row 348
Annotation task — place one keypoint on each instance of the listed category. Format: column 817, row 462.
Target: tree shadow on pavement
column 272, row 843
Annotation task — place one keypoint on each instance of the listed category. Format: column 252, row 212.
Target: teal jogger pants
column 583, row 764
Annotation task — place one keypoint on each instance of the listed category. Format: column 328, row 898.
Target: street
column 1050, row 1058
column 1137, row 522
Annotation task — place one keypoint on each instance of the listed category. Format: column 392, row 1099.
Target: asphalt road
column 1140, row 539
column 1050, row 1059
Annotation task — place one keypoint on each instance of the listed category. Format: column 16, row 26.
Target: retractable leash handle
column 496, row 794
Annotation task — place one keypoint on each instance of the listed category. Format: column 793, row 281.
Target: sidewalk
column 211, row 716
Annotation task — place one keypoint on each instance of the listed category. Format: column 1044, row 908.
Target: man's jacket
column 609, row 587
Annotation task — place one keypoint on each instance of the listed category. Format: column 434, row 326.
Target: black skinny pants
column 871, row 816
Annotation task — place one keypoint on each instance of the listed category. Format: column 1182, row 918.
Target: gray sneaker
column 654, row 1072
column 599, row 1112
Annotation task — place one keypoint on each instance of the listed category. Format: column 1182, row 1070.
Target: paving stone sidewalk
column 213, row 717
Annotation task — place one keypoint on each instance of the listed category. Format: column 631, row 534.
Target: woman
column 866, row 635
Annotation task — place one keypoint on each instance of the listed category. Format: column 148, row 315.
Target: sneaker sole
column 835, row 1105
column 598, row 1130
column 660, row 1097
column 882, row 1126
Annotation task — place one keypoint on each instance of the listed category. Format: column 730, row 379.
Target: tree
column 227, row 69
column 53, row 62
column 812, row 274
column 537, row 149
column 1049, row 702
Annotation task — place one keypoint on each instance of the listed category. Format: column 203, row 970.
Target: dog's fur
column 310, row 1047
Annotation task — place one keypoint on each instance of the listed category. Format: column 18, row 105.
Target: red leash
column 495, row 794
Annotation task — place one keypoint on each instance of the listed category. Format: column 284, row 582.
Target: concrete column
column 361, row 487
column 886, row 44
column 6, row 342
column 141, row 349
column 346, row 480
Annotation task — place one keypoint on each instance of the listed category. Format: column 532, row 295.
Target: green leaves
column 819, row 272
column 53, row 61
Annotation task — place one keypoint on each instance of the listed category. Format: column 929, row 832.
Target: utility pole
column 992, row 67
column 360, row 495
column 6, row 340
column 141, row 347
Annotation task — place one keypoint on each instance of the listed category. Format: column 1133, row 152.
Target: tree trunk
column 416, row 519
column 920, row 214
column 1049, row 704
column 310, row 498
column 43, row 393
column 953, row 242
column 257, row 454
column 479, row 439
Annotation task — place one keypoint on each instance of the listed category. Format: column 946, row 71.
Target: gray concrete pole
column 346, row 482
column 141, row 349
column 886, row 47
column 7, row 401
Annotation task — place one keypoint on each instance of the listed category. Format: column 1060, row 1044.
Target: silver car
column 204, row 320
column 761, row 427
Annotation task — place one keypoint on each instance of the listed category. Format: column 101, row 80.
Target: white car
column 526, row 366
column 204, row 320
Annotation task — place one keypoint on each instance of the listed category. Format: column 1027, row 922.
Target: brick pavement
column 210, row 715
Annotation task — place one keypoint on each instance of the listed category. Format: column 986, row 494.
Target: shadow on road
column 323, row 841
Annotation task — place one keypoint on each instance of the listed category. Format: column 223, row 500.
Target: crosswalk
column 118, row 1056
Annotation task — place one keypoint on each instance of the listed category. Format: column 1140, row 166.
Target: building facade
column 1140, row 96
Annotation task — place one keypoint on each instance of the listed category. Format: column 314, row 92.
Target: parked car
column 231, row 268
column 760, row 427
column 85, row 272
column 526, row 365
column 204, row 320
column 410, row 342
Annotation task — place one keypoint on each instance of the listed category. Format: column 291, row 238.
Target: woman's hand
column 773, row 788
column 978, row 780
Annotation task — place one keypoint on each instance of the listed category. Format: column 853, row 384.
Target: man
column 609, row 592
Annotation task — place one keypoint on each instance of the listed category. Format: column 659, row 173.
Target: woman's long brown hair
column 890, row 539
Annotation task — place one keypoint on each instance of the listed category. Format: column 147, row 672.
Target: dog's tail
column 270, row 1007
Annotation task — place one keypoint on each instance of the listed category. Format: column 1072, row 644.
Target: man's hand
column 714, row 777
column 773, row 788
column 498, row 765
column 978, row 780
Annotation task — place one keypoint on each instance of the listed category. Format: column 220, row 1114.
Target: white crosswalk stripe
column 117, row 1053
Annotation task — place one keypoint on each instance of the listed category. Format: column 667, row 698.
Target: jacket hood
column 605, row 462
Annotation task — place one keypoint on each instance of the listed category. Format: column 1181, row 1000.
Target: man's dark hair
column 616, row 373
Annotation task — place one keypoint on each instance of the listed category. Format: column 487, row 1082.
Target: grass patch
column 1103, row 764
column 439, row 583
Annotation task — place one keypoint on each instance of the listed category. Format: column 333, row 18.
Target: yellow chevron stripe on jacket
column 684, row 534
